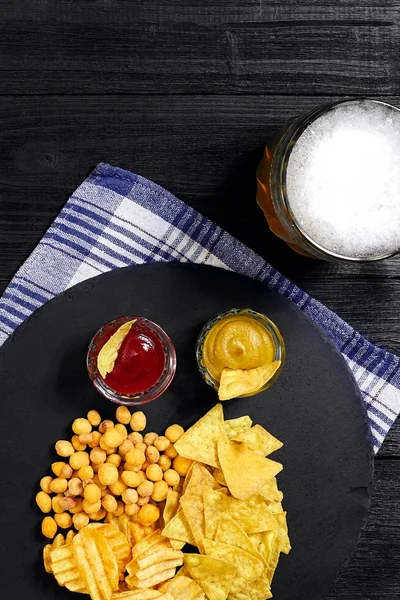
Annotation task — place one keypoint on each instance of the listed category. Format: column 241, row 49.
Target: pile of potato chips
column 228, row 507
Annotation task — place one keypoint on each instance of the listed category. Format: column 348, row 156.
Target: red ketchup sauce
column 140, row 361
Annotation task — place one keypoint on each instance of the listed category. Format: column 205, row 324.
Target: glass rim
column 273, row 330
column 283, row 154
column 158, row 388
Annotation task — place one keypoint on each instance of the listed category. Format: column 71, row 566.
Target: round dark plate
column 314, row 408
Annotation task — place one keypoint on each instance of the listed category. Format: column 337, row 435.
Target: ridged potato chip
column 65, row 569
column 134, row 582
column 199, row 442
column 117, row 540
column 213, row 575
column 58, row 541
column 97, row 564
column 139, row 595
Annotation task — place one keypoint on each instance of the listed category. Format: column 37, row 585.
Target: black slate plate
column 314, row 408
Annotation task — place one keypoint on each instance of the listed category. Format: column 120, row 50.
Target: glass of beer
column 330, row 185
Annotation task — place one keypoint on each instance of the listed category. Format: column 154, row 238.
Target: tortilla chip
column 260, row 589
column 270, row 492
column 235, row 426
column 245, row 471
column 178, row 529
column 109, row 352
column 239, row 382
column 284, row 545
column 213, row 575
column 188, row 476
column 182, row 588
column 275, row 507
column 248, row 567
column 252, row 515
column 230, row 533
column 219, row 476
column 171, row 506
column 259, row 440
column 199, row 442
column 264, row 542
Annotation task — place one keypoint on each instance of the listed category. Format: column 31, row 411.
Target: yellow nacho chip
column 238, row 382
column 264, row 542
column 284, row 541
column 199, row 442
column 178, row 529
column 171, row 506
column 245, row 471
column 219, row 476
column 109, row 352
column 248, row 567
column 259, row 440
column 259, row 589
column 236, row 426
column 213, row 575
column 229, row 532
column 182, row 588
column 252, row 515
column 270, row 492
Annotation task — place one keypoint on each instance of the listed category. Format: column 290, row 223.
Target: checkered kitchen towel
column 116, row 218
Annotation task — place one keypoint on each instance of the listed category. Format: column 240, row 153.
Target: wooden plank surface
column 186, row 93
column 235, row 46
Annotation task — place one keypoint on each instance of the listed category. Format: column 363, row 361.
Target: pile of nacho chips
column 229, row 507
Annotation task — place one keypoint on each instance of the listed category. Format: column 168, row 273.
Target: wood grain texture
column 186, row 93
column 230, row 46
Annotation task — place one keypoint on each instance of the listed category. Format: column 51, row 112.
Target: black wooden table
column 186, row 92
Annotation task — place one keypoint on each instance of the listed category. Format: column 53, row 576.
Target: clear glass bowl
column 147, row 395
column 279, row 345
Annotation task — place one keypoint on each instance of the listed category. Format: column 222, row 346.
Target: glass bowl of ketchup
column 144, row 367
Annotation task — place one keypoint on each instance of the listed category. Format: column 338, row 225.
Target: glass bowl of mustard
column 239, row 339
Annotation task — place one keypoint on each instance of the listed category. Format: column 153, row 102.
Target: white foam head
column 343, row 180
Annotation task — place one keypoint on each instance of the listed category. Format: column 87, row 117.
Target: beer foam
column 343, row 180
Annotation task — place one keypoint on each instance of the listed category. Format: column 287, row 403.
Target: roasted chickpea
column 130, row 496
column 45, row 484
column 94, row 418
column 142, row 500
column 135, row 437
column 55, row 503
column 131, row 479
column 96, row 436
column 123, row 415
column 108, row 474
column 174, row 433
column 109, row 503
column 78, row 506
column 63, row 520
column 122, row 430
column 97, row 481
column 80, row 520
column 67, row 503
column 126, row 446
column 91, row 507
column 160, row 491
column 145, row 465
column 131, row 509
column 120, row 508
column 49, row 527
column 43, row 501
column 129, row 467
column 152, row 454
column 145, row 488
column 141, row 447
column 92, row 493
column 85, row 472
column 161, row 443
column 98, row 456
column 81, row 426
column 70, row 536
column 112, row 438
column 104, row 425
column 58, row 485
column 118, row 487
column 56, row 467
column 171, row 452
column 86, row 438
column 64, row 448
column 78, row 460
column 66, row 472
column 148, row 515
column 77, row 444
column 99, row 515
column 114, row 459
column 171, row 477
column 135, row 457
column 164, row 462
column 182, row 465
column 149, row 438
column 154, row 473
column 75, row 486
column 138, row 421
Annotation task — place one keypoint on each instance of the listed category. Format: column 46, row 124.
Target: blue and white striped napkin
column 116, row 219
